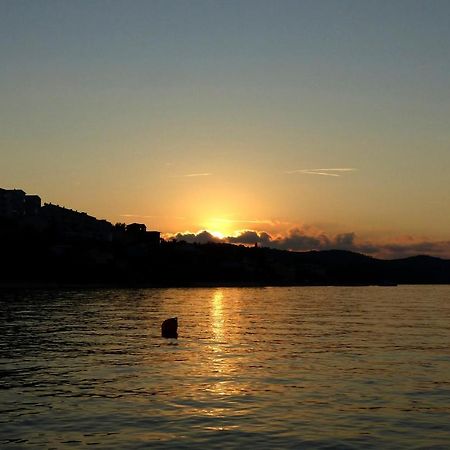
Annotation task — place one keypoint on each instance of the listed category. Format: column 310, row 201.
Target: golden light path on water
column 310, row 367
column 220, row 363
column 217, row 315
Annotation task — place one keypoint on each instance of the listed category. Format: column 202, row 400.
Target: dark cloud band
column 297, row 240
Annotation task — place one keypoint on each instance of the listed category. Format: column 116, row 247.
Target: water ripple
column 325, row 368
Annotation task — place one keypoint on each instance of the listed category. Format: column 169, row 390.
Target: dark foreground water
column 364, row 367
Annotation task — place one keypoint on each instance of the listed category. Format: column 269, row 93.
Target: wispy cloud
column 136, row 215
column 316, row 172
column 252, row 221
column 192, row 175
column 331, row 172
column 141, row 216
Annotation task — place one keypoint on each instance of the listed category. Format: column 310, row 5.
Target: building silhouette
column 68, row 224
column 16, row 203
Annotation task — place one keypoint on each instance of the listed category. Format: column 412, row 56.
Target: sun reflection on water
column 224, row 357
column 217, row 315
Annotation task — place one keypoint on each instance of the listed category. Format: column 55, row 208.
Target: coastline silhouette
column 50, row 244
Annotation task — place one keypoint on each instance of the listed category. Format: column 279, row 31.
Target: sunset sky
column 316, row 124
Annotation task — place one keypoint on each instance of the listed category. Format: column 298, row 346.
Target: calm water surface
column 363, row 367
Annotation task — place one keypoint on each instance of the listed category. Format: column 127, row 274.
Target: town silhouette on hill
column 47, row 244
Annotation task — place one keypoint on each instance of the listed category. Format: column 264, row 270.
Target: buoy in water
column 169, row 328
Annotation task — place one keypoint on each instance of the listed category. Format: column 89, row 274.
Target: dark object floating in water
column 169, row 328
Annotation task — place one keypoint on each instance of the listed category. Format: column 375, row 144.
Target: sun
column 217, row 234
column 220, row 228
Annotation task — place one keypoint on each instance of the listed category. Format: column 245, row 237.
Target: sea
column 260, row 368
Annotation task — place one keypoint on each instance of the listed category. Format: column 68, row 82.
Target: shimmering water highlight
column 365, row 367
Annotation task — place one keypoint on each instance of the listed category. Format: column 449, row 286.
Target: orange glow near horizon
column 218, row 227
column 217, row 234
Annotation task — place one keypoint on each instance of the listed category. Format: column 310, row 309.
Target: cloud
column 296, row 239
column 250, row 237
column 332, row 172
column 306, row 239
column 300, row 239
column 250, row 221
column 202, row 237
column 140, row 216
column 193, row 175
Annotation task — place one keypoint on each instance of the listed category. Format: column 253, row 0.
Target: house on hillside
column 16, row 203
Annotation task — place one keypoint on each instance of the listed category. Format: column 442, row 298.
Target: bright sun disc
column 217, row 234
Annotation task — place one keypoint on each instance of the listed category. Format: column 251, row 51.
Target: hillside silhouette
column 50, row 244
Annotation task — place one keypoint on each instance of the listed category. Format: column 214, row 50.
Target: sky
column 311, row 124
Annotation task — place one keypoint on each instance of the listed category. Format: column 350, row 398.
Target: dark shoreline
column 53, row 256
column 195, row 285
